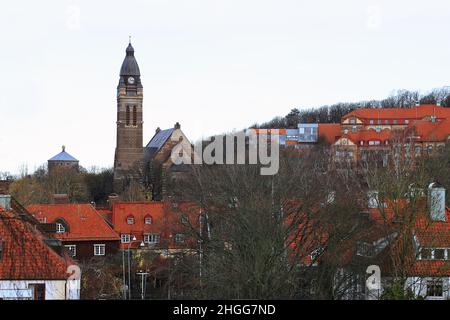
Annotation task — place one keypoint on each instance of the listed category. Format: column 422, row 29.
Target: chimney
column 436, row 202
column 177, row 125
column 112, row 198
column 158, row 130
column 5, row 201
column 61, row 198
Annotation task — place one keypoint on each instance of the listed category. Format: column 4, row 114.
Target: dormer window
column 148, row 220
column 60, row 228
column 130, row 220
column 184, row 219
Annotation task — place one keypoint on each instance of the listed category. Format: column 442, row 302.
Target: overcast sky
column 212, row 65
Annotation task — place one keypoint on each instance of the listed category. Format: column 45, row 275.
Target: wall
column 54, row 289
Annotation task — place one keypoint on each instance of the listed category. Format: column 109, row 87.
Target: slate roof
column 63, row 156
column 130, row 66
column 157, row 142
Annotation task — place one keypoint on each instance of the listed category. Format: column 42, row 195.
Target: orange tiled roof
column 165, row 218
column 329, row 131
column 419, row 112
column 368, row 135
column 85, row 223
column 431, row 131
column 25, row 255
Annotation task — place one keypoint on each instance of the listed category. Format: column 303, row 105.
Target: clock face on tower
column 130, row 80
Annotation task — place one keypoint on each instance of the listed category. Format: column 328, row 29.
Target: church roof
column 130, row 66
column 158, row 141
column 63, row 156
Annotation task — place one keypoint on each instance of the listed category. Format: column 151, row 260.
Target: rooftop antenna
column 129, row 39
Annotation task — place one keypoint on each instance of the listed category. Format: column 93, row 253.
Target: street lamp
column 143, row 276
column 125, row 287
column 142, row 244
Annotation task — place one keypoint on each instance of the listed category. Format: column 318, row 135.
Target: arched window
column 127, row 116
column 148, row 219
column 134, row 116
column 130, row 220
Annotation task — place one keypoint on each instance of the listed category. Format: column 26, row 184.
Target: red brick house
column 156, row 225
column 80, row 227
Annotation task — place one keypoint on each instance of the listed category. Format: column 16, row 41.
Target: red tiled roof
column 431, row 131
column 368, row 135
column 329, row 131
column 84, row 222
column 25, row 255
column 419, row 112
column 166, row 220
column 430, row 234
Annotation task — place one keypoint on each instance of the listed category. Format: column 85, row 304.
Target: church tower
column 129, row 145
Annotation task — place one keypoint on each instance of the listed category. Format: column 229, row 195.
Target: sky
column 212, row 65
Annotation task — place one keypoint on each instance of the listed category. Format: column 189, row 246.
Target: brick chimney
column 60, row 198
column 112, row 198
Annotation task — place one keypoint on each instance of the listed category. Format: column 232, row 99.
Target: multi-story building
column 161, row 226
column 84, row 233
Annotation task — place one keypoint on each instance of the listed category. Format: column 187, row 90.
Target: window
column 134, row 116
column 60, row 228
column 379, row 121
column 184, row 219
column 386, row 121
column 38, row 290
column 127, row 116
column 406, row 121
column 371, row 121
column 72, row 249
column 179, row 238
column 425, row 254
column 99, row 249
column 434, row 288
column 439, row 254
column 148, row 220
column 417, row 151
column 130, row 220
column 2, row 245
column 395, row 122
column 430, row 149
column 151, row 238
column 125, row 238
